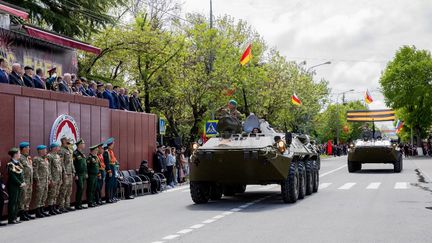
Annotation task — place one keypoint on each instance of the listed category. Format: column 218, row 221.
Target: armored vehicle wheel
column 229, row 190
column 289, row 187
column 353, row 167
column 241, row 189
column 200, row 192
column 315, row 173
column 398, row 165
column 215, row 192
column 309, row 177
column 302, row 180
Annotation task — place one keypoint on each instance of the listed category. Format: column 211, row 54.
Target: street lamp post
column 324, row 63
column 337, row 113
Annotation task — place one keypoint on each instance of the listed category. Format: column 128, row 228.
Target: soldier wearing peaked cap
column 14, row 184
column 66, row 157
column 26, row 191
column 93, row 171
column 80, row 164
column 101, row 175
column 111, row 165
column 42, row 179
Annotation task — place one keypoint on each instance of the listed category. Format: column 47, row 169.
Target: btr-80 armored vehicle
column 374, row 151
column 225, row 164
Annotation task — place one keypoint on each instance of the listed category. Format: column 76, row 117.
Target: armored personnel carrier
column 374, row 151
column 226, row 164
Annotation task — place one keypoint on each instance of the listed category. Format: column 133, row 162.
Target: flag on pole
column 295, row 100
column 399, row 126
column 247, row 55
column 368, row 97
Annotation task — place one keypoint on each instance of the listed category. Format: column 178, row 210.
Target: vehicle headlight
column 281, row 146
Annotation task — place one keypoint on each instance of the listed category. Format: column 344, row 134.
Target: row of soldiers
column 52, row 173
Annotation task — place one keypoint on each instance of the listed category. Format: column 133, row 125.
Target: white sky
column 358, row 36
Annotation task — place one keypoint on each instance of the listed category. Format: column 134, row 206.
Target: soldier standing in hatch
column 66, row 156
column 26, row 191
column 80, row 164
column 42, row 179
column 14, row 184
column 93, row 171
column 229, row 110
column 56, row 170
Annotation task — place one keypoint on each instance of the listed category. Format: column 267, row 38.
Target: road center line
column 332, row 171
column 324, row 185
column 401, row 185
column 170, row 237
column 185, row 231
column 347, row 186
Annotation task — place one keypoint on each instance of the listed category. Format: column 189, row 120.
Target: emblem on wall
column 64, row 126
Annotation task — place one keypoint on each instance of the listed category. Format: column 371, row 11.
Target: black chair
column 140, row 184
column 145, row 181
column 131, row 181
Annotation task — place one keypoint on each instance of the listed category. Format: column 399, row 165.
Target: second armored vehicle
column 374, row 151
column 225, row 165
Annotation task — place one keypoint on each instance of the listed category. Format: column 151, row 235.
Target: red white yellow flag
column 247, row 55
column 368, row 97
column 295, row 100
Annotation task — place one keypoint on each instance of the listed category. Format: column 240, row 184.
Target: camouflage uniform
column 66, row 156
column 224, row 111
column 56, row 177
column 26, row 191
column 42, row 177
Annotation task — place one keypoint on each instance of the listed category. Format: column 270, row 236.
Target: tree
column 76, row 18
column 407, row 87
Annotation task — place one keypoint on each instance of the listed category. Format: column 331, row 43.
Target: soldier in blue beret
column 26, row 191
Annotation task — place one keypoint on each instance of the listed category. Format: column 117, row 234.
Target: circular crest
column 64, row 126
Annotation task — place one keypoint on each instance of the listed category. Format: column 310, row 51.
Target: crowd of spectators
column 119, row 98
column 172, row 163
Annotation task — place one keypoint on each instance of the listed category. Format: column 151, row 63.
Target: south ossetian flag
column 247, row 55
column 295, row 100
column 368, row 97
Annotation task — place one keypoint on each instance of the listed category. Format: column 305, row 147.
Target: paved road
column 374, row 205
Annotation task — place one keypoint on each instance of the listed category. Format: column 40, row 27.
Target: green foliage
column 334, row 118
column 407, row 87
column 76, row 18
column 187, row 72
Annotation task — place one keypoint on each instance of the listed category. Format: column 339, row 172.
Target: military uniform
column 26, row 191
column 224, row 111
column 100, row 179
column 42, row 178
column 80, row 164
column 56, row 170
column 111, row 165
column 93, row 171
column 68, row 173
column 14, row 183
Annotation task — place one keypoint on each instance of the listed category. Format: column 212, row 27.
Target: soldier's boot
column 39, row 213
column 51, row 210
column 22, row 216
column 57, row 210
column 46, row 214
column 28, row 215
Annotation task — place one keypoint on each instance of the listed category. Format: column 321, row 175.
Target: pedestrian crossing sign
column 211, row 128
column 162, row 126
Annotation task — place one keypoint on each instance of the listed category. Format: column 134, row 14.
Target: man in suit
column 115, row 95
column 91, row 91
column 4, row 76
column 122, row 100
column 65, row 85
column 38, row 81
column 100, row 90
column 126, row 96
column 28, row 77
column 15, row 77
column 107, row 94
column 135, row 103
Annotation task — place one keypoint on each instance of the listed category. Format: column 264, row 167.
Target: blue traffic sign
column 211, row 128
